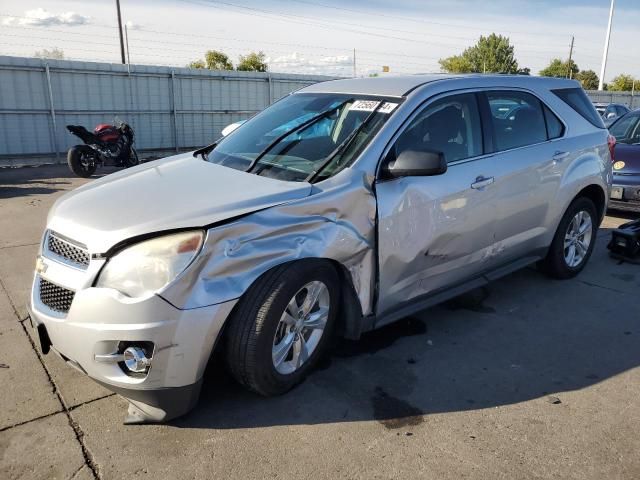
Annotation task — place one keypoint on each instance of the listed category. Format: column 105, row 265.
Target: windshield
column 303, row 136
column 627, row 129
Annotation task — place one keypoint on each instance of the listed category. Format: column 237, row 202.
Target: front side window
column 522, row 124
column 450, row 125
column 627, row 129
column 304, row 135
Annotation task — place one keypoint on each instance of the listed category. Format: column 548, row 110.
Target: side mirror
column 413, row 163
column 611, row 115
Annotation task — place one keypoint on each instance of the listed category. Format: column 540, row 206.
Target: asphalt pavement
column 527, row 378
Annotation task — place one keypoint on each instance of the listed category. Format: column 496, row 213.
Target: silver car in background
column 341, row 208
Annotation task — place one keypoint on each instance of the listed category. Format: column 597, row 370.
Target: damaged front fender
column 337, row 222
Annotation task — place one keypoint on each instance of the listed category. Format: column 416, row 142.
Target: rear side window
column 518, row 119
column 578, row 100
column 555, row 128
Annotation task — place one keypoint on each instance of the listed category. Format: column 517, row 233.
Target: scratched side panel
column 337, row 221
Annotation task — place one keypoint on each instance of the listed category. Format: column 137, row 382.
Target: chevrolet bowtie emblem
column 41, row 267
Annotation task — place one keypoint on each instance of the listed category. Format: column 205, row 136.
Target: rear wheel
column 81, row 161
column 282, row 325
column 574, row 240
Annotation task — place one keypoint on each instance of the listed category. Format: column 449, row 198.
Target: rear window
column 578, row 100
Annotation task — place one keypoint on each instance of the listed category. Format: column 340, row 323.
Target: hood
column 177, row 192
column 630, row 155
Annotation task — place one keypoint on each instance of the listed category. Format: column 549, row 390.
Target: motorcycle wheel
column 133, row 159
column 80, row 162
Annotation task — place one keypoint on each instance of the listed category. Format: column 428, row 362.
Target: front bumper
column 100, row 318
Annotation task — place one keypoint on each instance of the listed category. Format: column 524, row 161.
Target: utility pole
column 354, row 63
column 126, row 38
column 120, row 32
column 606, row 47
column 570, row 55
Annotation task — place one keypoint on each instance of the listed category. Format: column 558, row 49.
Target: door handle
column 560, row 156
column 482, row 182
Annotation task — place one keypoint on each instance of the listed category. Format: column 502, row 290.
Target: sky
column 319, row 36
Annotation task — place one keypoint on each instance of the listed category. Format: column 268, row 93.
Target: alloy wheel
column 301, row 327
column 577, row 239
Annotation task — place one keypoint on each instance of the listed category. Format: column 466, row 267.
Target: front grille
column 67, row 250
column 55, row 297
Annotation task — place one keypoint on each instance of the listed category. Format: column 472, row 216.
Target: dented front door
column 435, row 232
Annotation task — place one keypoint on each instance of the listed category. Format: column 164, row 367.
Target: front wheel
column 81, row 161
column 574, row 240
column 133, row 159
column 281, row 326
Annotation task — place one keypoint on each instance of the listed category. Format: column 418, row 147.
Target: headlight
column 148, row 266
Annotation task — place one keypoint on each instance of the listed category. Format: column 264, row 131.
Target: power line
column 518, row 45
column 416, row 20
column 300, row 19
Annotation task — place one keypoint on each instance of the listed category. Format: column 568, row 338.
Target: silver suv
column 342, row 207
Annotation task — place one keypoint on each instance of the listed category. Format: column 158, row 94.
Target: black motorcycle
column 107, row 145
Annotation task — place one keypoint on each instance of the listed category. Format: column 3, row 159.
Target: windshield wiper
column 345, row 143
column 298, row 128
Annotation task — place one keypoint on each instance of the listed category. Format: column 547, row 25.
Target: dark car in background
column 610, row 112
column 625, row 192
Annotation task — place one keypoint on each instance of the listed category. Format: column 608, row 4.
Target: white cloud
column 299, row 63
column 40, row 17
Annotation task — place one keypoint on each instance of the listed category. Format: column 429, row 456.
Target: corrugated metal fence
column 625, row 98
column 170, row 109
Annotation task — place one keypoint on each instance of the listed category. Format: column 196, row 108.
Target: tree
column 456, row 64
column 253, row 62
column 197, row 64
column 54, row 54
column 216, row 60
column 589, row 79
column 622, row 83
column 560, row 69
column 213, row 60
column 491, row 54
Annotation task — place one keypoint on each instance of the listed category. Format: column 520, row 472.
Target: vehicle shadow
column 625, row 214
column 524, row 337
column 41, row 180
column 30, row 187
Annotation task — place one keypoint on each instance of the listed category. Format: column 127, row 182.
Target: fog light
column 135, row 359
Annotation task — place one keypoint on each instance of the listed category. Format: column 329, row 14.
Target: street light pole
column 606, row 47
column 120, row 32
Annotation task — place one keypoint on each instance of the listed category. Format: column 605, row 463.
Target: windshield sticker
column 387, row 107
column 371, row 105
column 364, row 105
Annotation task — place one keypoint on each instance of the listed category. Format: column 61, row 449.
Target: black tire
column 554, row 264
column 249, row 338
column 76, row 164
column 133, row 159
